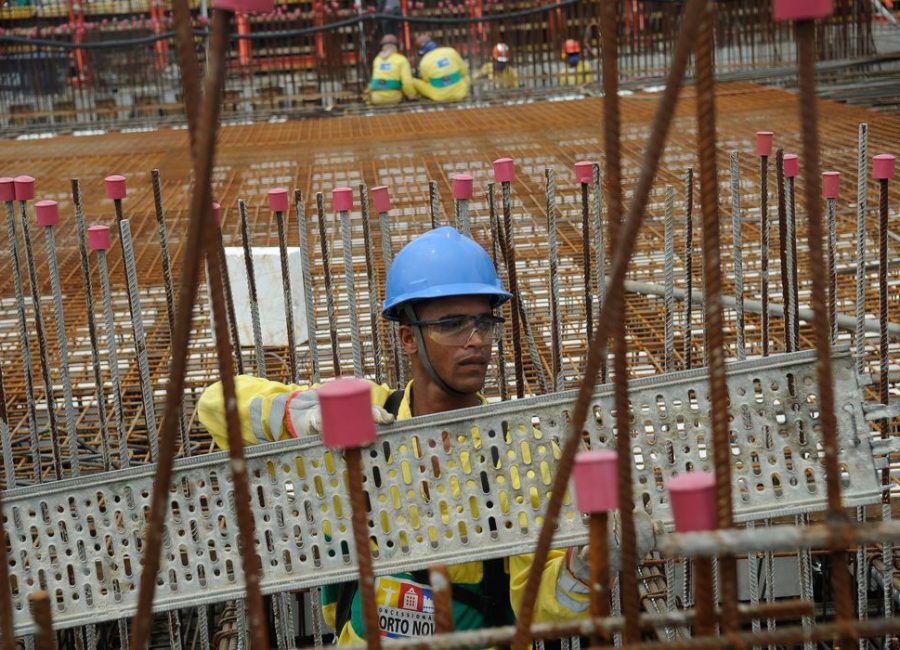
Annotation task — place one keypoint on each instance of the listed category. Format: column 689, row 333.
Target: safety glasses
column 458, row 330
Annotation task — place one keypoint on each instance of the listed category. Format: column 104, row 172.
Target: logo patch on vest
column 384, row 67
column 405, row 608
column 443, row 63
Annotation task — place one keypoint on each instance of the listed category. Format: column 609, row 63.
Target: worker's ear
column 408, row 340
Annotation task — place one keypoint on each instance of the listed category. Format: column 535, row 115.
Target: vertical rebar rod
column 510, row 255
column 784, row 249
column 371, row 285
column 586, row 260
column 669, row 275
column 99, row 393
column 764, row 251
column 63, row 347
column 688, row 348
column 163, row 237
column 463, row 222
column 329, row 289
column 553, row 254
column 387, row 258
column 597, row 208
column 862, row 178
column 738, row 254
column 311, row 329
column 887, row 549
column 42, row 346
column 350, row 282
column 495, row 255
column 113, row 354
column 598, row 548
column 791, row 308
column 360, row 523
column 831, row 218
column 288, row 295
column 804, row 559
column 140, row 340
column 229, row 298
column 45, row 639
column 251, row 290
column 753, row 562
column 434, row 204
column 705, row 624
column 825, row 379
column 25, row 346
column 6, row 442
column 442, row 592
column 713, row 322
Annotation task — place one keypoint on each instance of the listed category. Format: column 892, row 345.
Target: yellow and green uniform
column 391, row 80
column 505, row 79
column 444, row 76
column 263, row 407
column 582, row 73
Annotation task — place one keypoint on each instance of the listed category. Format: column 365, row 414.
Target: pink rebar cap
column 381, row 198
column 504, row 170
column 217, row 214
column 249, row 6
column 584, row 171
column 47, row 213
column 883, row 166
column 791, row 165
column 7, row 189
column 342, row 198
column 764, row 143
column 596, row 487
column 278, row 199
column 346, row 413
column 462, row 187
column 831, row 181
column 115, row 187
column 693, row 499
column 24, row 188
column 98, row 238
column 801, row 9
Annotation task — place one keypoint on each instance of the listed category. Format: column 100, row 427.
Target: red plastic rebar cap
column 278, row 199
column 596, row 487
column 217, row 214
column 504, row 170
column 342, row 198
column 346, row 406
column 381, row 198
column 831, row 181
column 98, row 238
column 883, row 166
column 47, row 213
column 115, row 187
column 584, row 171
column 791, row 165
column 801, row 9
column 24, row 188
column 248, row 6
column 462, row 187
column 7, row 189
column 693, row 499
column 764, row 143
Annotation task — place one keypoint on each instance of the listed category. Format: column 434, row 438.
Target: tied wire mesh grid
column 443, row 488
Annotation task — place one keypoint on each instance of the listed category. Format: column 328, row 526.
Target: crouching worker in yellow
column 443, row 290
column 444, row 74
column 391, row 75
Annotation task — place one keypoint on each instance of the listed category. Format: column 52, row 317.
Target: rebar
column 553, row 255
column 689, row 268
column 585, row 260
column 831, row 219
column 792, row 293
column 434, row 204
column 329, row 289
column 371, row 286
column 598, row 547
column 495, row 255
column 229, row 297
column 288, row 295
column 862, row 177
column 112, row 352
column 9, row 466
column 360, row 521
column 597, row 209
column 764, row 251
column 669, row 275
column 463, row 221
column 387, row 258
column 251, row 290
column 738, row 255
column 311, row 329
column 45, row 639
column 887, row 549
column 441, row 589
column 509, row 254
column 350, row 288
column 784, row 250
column 7, row 639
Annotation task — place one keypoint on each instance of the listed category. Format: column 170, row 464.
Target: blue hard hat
column 441, row 263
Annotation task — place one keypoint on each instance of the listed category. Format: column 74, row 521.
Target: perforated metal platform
column 445, row 488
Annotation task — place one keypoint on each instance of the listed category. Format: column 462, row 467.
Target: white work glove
column 645, row 530
column 306, row 416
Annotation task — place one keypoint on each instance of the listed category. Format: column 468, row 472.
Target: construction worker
column 498, row 71
column 444, row 74
column 575, row 71
column 391, row 75
column 443, row 290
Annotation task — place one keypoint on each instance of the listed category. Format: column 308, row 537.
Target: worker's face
column 463, row 364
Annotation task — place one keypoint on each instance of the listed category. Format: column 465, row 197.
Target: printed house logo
column 410, row 597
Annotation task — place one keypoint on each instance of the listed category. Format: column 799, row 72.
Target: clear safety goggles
column 458, row 330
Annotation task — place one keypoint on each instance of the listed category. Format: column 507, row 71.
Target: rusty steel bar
column 669, row 277
column 689, row 267
column 288, row 294
column 783, row 248
column 329, row 289
column 793, row 262
column 586, row 259
column 806, row 57
column 311, row 329
column 764, row 250
column 9, row 465
column 862, row 176
column 7, row 639
column 738, row 254
column 42, row 346
column 495, row 255
column 831, row 219
column 442, row 592
column 350, row 288
column 360, row 521
column 229, row 295
column 598, row 549
column 163, row 236
column 387, row 257
column 705, row 603
column 251, row 290
column 45, row 639
column 597, row 191
column 372, row 285
column 553, row 254
column 99, row 393
column 509, row 253
column 434, row 204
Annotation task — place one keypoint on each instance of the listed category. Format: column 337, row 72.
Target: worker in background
column 391, row 75
column 443, row 291
column 444, row 76
column 498, row 71
column 576, row 71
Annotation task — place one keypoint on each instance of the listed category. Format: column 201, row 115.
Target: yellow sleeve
column 406, row 79
column 561, row 596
